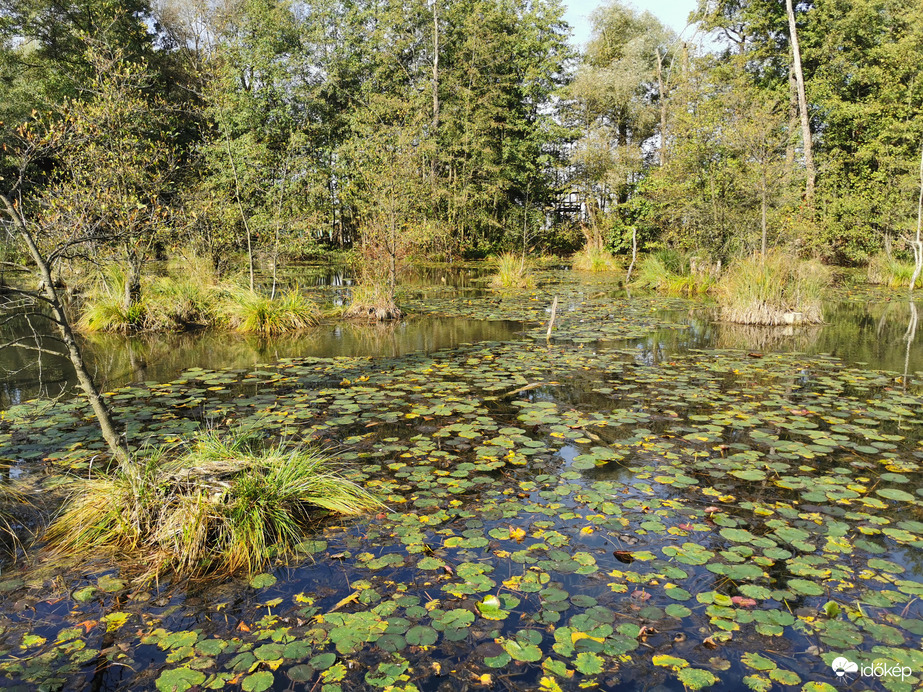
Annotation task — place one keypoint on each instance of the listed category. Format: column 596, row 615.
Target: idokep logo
column 843, row 668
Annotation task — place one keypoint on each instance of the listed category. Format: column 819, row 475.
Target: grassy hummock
column 374, row 301
column 593, row 258
column 512, row 272
column 676, row 273
column 247, row 311
column 227, row 503
column 773, row 290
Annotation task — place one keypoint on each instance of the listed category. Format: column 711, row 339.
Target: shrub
column 775, row 289
column 226, row 504
column 594, row 259
column 373, row 301
column 512, row 272
column 247, row 311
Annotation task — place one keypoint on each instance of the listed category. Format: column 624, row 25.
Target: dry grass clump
column 891, row 272
column 775, row 289
column 227, row 503
column 512, row 272
column 373, row 301
column 594, row 258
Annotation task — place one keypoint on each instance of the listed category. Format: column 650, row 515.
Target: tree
column 113, row 171
column 619, row 95
column 104, row 167
column 802, row 106
column 866, row 82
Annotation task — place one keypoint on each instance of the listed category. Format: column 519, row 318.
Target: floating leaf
column 179, row 679
column 696, row 678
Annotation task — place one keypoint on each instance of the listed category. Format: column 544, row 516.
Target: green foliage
column 775, row 289
column 225, row 502
column 512, row 272
column 189, row 296
column 247, row 311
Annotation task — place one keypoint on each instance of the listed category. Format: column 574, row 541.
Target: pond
column 647, row 501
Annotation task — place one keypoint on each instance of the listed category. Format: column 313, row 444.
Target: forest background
column 458, row 129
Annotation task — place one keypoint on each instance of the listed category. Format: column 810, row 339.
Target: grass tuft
column 104, row 310
column 512, row 272
column 593, row 258
column 891, row 272
column 676, row 273
column 247, row 311
column 776, row 289
column 226, row 504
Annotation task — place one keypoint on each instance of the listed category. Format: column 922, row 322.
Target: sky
column 673, row 13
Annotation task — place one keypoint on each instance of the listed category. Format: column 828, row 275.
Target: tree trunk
column 132, row 294
column 634, row 254
column 103, row 417
column 916, row 244
column 802, row 107
column 240, row 206
column 763, row 203
column 663, row 109
column 793, row 117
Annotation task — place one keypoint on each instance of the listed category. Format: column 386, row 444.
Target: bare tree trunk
column 240, row 207
column 916, row 244
column 435, row 66
column 554, row 313
column 103, row 417
column 132, row 293
column 793, row 117
column 802, row 106
column 634, row 254
column 663, row 108
column 763, row 212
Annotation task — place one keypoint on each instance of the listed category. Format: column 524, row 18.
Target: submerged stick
column 554, row 312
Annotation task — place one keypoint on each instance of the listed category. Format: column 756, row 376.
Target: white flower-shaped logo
column 842, row 665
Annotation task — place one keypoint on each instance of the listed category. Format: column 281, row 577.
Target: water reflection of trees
column 116, row 360
column 856, row 332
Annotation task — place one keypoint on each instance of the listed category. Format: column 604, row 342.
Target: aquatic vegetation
column 373, row 301
column 246, row 311
column 891, row 272
column 227, row 504
column 566, row 515
column 676, row 273
column 512, row 272
column 772, row 290
column 594, row 259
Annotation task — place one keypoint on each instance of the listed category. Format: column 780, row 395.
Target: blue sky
column 673, row 13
